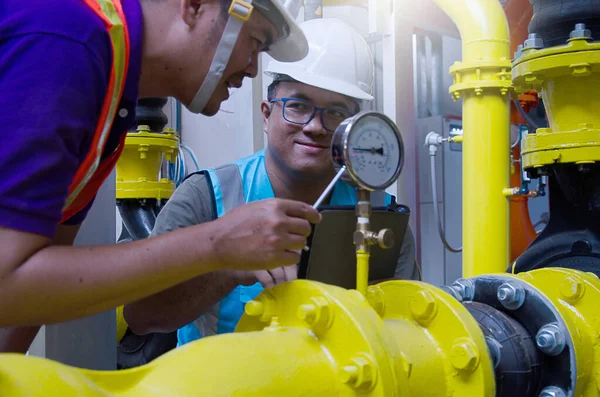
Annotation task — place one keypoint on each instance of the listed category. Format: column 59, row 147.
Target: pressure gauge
column 370, row 146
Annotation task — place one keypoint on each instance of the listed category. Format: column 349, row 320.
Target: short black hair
column 272, row 90
column 278, row 78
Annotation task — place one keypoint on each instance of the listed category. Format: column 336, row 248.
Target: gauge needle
column 329, row 187
column 371, row 150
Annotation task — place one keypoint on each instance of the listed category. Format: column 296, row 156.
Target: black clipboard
column 331, row 257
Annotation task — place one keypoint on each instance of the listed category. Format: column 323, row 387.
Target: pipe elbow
column 482, row 25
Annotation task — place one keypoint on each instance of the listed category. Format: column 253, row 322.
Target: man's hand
column 263, row 234
column 267, row 278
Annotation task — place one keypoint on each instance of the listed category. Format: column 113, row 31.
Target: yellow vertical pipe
column 362, row 271
column 482, row 79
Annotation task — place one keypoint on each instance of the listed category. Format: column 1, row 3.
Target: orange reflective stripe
column 92, row 187
column 111, row 12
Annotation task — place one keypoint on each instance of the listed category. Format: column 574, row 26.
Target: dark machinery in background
column 560, row 61
column 138, row 200
column 143, row 187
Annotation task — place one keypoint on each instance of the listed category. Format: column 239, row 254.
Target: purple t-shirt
column 55, row 63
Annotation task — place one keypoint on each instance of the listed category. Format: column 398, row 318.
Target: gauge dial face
column 374, row 150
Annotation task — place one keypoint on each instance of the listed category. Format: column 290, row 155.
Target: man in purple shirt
column 55, row 65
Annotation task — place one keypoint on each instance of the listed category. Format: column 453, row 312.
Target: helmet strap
column 239, row 12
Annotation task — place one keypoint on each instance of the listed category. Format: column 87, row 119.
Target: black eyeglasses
column 299, row 111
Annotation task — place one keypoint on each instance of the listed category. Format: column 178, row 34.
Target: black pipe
column 554, row 20
column 138, row 217
column 517, row 362
column 572, row 237
column 149, row 112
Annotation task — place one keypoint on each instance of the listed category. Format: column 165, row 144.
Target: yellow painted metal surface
column 567, row 77
column 440, row 341
column 546, row 147
column 139, row 166
column 121, row 324
column 362, row 271
column 483, row 80
column 304, row 338
column 277, row 362
column 576, row 296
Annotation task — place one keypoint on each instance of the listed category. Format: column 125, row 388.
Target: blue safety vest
column 235, row 184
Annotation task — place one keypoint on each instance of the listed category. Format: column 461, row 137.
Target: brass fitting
column 385, row 238
column 363, row 209
column 363, row 236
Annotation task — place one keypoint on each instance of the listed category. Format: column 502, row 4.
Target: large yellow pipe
column 285, row 362
column 483, row 80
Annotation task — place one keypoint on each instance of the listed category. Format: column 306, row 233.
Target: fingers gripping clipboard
column 331, row 258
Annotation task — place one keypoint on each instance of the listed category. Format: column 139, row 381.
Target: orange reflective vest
column 92, row 172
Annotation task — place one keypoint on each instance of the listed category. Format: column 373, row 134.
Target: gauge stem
column 361, row 239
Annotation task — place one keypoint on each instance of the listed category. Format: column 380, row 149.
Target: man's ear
column 190, row 11
column 265, row 108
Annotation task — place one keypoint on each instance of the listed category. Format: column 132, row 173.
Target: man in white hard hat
column 71, row 72
column 306, row 102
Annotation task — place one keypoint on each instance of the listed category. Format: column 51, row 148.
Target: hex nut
column 534, row 42
column 465, row 288
column 360, row 373
column 552, row 391
column 464, row 355
column 572, row 288
column 423, row 307
column 550, row 339
column 580, row 32
column 511, row 296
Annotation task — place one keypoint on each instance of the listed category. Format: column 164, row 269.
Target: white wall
column 227, row 135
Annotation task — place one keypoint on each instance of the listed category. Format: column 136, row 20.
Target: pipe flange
column 534, row 312
column 339, row 321
column 575, row 295
column 548, row 147
column 422, row 313
column 474, row 77
column 578, row 58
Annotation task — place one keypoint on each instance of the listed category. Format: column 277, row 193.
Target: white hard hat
column 338, row 60
column 294, row 46
column 290, row 44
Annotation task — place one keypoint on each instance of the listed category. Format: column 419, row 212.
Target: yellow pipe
column 248, row 364
column 304, row 338
column 362, row 239
column 362, row 271
column 483, row 80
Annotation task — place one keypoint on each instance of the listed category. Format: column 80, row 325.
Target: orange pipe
column 518, row 14
column 522, row 233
